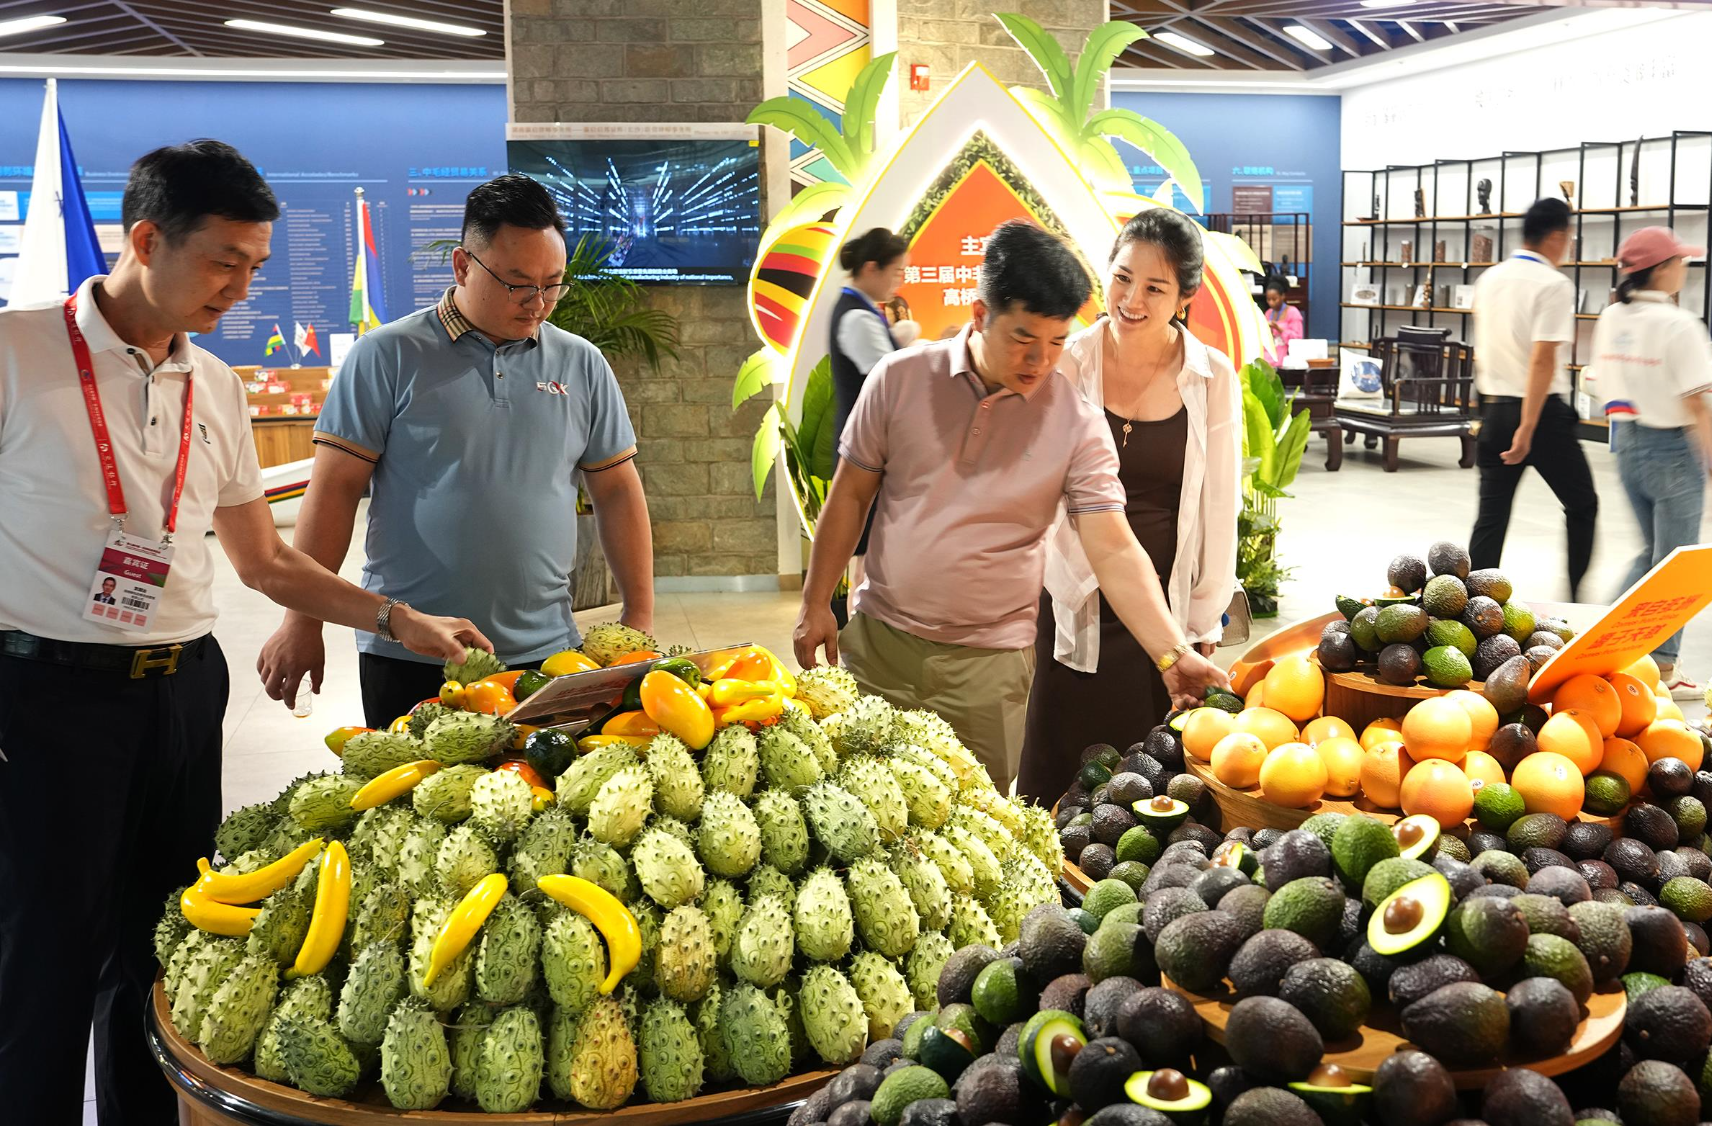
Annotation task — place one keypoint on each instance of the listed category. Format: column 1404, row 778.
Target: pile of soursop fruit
column 798, row 890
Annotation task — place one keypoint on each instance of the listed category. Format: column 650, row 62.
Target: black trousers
column 109, row 792
column 392, row 686
column 1556, row 455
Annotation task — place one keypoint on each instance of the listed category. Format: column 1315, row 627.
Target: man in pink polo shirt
column 965, row 448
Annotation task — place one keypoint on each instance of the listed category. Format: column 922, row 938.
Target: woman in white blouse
column 1175, row 411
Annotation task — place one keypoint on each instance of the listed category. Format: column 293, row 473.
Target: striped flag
column 275, row 343
column 368, row 310
column 306, row 341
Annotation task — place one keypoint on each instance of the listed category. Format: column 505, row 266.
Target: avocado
column 1659, row 945
column 1409, row 916
column 1048, row 1047
column 1311, row 906
column 856, row 1112
column 858, row 1081
column 1088, row 923
column 1068, row 993
column 1001, row 993
column 1658, row 1094
column 1689, row 898
column 1489, row 582
column 1668, row 777
column 1297, row 854
column 1162, row 1025
column 1125, row 789
column 1407, row 573
column 1543, row 1016
column 1417, row 837
column 1050, row 943
column 1269, row 1106
column 1359, row 844
column 1330, row 993
column 1337, row 652
column 1127, row 1114
column 1546, row 915
column 1093, row 774
column 1364, row 629
column 957, row 977
column 1138, row 843
column 1411, row 1088
column 1586, row 840
column 1399, row 664
column 1195, row 951
column 1668, row 1023
column 1507, row 687
column 1164, row 745
column 1272, row 1040
column 1512, row 743
column 1444, row 596
column 1536, row 830
column 903, row 1087
column 1334, row 1096
column 1492, row 651
column 1103, row 896
column 947, row 1051
column 1110, row 823
column 1261, row 962
column 1322, row 825
column 929, row 1112
column 1213, row 884
column 1129, row 912
column 1119, row 950
column 1350, row 607
column 993, row 1092
column 1161, row 813
column 1224, row 699
column 1177, row 721
column 1688, row 812
column 1561, row 883
column 1447, row 558
column 1651, row 826
column 1637, row 984
column 1605, row 793
column 1247, row 905
column 910, row 1044
column 1421, row 979
column 1632, row 860
column 1100, row 1071
column 1447, row 666
column 1388, row 875
column 1604, row 940
column 1518, row 621
column 1100, row 1006
column 1236, row 855
column 1464, row 1023
column 1518, row 1096
column 1454, row 634
column 1170, row 1092
column 1166, row 905
column 1401, row 623
column 1549, row 955
column 1484, row 617
column 1489, row 934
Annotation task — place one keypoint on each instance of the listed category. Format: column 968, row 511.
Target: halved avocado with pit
column 1170, row 1092
column 1334, row 1096
column 1161, row 813
column 1047, row 1046
column 1417, row 837
column 1409, row 916
column 1235, row 854
column 1177, row 721
column 946, row 1050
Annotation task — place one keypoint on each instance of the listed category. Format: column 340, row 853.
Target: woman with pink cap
column 1653, row 363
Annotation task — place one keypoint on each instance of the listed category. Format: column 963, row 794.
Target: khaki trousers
column 981, row 693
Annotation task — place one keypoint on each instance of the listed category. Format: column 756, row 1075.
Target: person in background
column 1653, row 363
column 906, row 330
column 470, row 422
column 968, row 450
column 1174, row 410
column 1283, row 318
column 1524, row 312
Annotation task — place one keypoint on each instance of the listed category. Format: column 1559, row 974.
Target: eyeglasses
column 523, row 294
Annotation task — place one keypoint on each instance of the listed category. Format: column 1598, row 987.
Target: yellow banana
column 614, row 921
column 327, row 923
column 248, row 887
column 463, row 923
column 393, row 783
column 216, row 918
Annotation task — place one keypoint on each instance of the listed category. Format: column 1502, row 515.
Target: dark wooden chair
column 1427, row 387
column 1315, row 390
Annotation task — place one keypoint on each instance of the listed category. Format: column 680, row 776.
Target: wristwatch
column 383, row 619
column 1172, row 655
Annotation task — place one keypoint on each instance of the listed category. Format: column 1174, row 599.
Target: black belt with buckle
column 136, row 662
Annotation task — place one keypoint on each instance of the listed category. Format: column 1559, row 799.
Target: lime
column 1497, row 805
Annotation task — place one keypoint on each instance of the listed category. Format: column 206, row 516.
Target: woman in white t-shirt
column 1653, row 363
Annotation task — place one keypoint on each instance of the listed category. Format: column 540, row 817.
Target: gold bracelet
column 1176, row 653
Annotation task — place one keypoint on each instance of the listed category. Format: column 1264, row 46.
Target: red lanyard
column 98, row 424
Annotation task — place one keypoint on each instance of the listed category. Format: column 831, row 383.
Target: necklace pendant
column 1126, row 430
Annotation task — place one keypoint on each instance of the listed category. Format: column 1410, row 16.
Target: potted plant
column 1272, row 444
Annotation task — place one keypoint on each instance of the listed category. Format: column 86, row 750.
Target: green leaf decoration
column 1104, row 46
column 1257, row 438
column 807, row 126
column 1156, row 141
column 816, row 440
column 1050, row 113
column 765, row 451
column 1045, row 52
column 1101, row 162
column 759, row 371
column 861, row 105
column 1291, row 448
column 807, row 206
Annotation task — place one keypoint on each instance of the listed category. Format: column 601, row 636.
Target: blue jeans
column 1666, row 482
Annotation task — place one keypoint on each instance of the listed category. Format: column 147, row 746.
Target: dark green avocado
column 1161, row 813
column 1171, row 1093
column 1409, row 916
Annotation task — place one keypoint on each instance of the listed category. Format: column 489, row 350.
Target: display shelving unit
column 1275, row 237
column 1668, row 178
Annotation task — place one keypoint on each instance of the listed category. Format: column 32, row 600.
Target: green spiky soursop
column 608, row 641
column 686, row 962
column 452, row 987
column 926, row 795
column 368, row 754
column 677, row 780
column 984, row 867
column 762, row 950
column 952, row 863
column 245, row 828
column 380, row 833
column 872, row 783
column 1040, row 837
column 374, row 985
column 465, row 857
column 728, row 840
column 675, row 827
column 603, row 1057
column 508, row 1071
column 171, row 928
column 825, row 925
column 323, row 805
column 509, row 952
column 732, row 762
column 925, row 883
column 601, row 864
column 757, row 1039
column 383, row 916
column 983, row 827
column 467, row 737
column 922, row 967
column 832, row 1015
column 445, row 795
column 885, row 914
column 417, row 853
column 786, row 761
column 183, row 955
column 425, row 713
column 543, row 849
column 798, row 723
column 1026, row 885
column 768, row 880
column 415, row 1064
column 205, row 968
column 238, row 1009
column 866, row 727
column 622, row 806
column 279, row 930
column 464, row 1044
column 310, row 997
column 670, row 1053
column 478, row 664
column 561, row 1037
column 573, row 961
column 582, row 780
column 667, row 868
column 649, row 919
column 501, row 804
column 826, row 690
column 722, row 903
column 784, row 832
column 840, row 821
column 315, row 1057
column 704, row 1014
column 886, row 996
column 971, row 925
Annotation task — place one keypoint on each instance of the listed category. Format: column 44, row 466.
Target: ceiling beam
column 1371, row 33
column 1409, row 29
column 1237, row 32
column 1341, row 40
column 1148, row 55
column 154, row 27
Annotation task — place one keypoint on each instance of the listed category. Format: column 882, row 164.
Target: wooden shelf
column 1422, row 220
column 1355, row 343
column 1640, row 207
column 1406, row 308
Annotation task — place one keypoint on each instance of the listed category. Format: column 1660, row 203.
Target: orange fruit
column 1255, row 695
column 1237, row 759
column 1204, row 729
column 1438, row 727
column 1293, row 776
column 1383, row 730
column 1482, row 716
column 1626, row 760
column 1273, row 726
column 1670, row 738
column 1482, row 769
column 1667, row 709
column 1574, row 735
column 1549, row 783
column 1326, row 727
column 1295, row 686
column 1383, row 770
column 1639, row 705
column 1438, row 789
column 1342, row 757
column 1645, row 670
column 1594, row 697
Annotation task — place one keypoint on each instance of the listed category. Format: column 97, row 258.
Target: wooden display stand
column 285, row 437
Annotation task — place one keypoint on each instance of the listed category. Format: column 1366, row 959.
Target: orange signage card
column 1663, row 602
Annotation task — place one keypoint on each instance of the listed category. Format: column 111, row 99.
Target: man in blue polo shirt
column 470, row 424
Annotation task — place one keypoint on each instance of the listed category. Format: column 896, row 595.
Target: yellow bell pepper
column 609, row 916
column 677, row 708
column 567, row 662
column 630, row 723
column 248, row 887
column 462, row 924
column 782, row 676
column 327, row 921
column 595, row 742
column 339, row 736
column 540, row 798
column 397, row 782
column 399, row 726
column 730, row 690
column 758, row 711
column 216, row 918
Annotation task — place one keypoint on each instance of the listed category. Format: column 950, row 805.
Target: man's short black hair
column 512, row 200
column 177, row 187
column 1544, row 218
column 1034, row 267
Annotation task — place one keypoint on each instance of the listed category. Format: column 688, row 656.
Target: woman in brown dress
column 1175, row 410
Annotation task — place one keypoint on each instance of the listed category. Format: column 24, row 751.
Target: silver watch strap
column 383, row 619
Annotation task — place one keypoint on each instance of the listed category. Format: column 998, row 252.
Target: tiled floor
column 1339, row 532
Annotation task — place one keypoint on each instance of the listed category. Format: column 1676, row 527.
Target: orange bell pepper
column 507, row 679
column 677, row 708
column 636, row 657
column 524, row 730
column 630, row 723
column 337, row 737
column 488, row 697
column 523, row 770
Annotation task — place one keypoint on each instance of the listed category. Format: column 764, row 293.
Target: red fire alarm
column 918, row 76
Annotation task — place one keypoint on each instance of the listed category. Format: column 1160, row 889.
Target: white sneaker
column 1681, row 686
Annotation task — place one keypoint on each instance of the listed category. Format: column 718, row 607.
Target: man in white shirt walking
column 1524, row 312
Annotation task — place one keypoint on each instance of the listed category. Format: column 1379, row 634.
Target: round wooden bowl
column 1360, row 1055
column 210, row 1094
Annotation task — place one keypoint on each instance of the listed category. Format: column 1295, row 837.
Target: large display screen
column 672, row 211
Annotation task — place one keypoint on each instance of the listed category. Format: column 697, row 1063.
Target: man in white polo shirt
column 1524, row 312
column 122, row 444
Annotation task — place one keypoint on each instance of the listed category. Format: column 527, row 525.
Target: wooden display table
column 284, row 403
